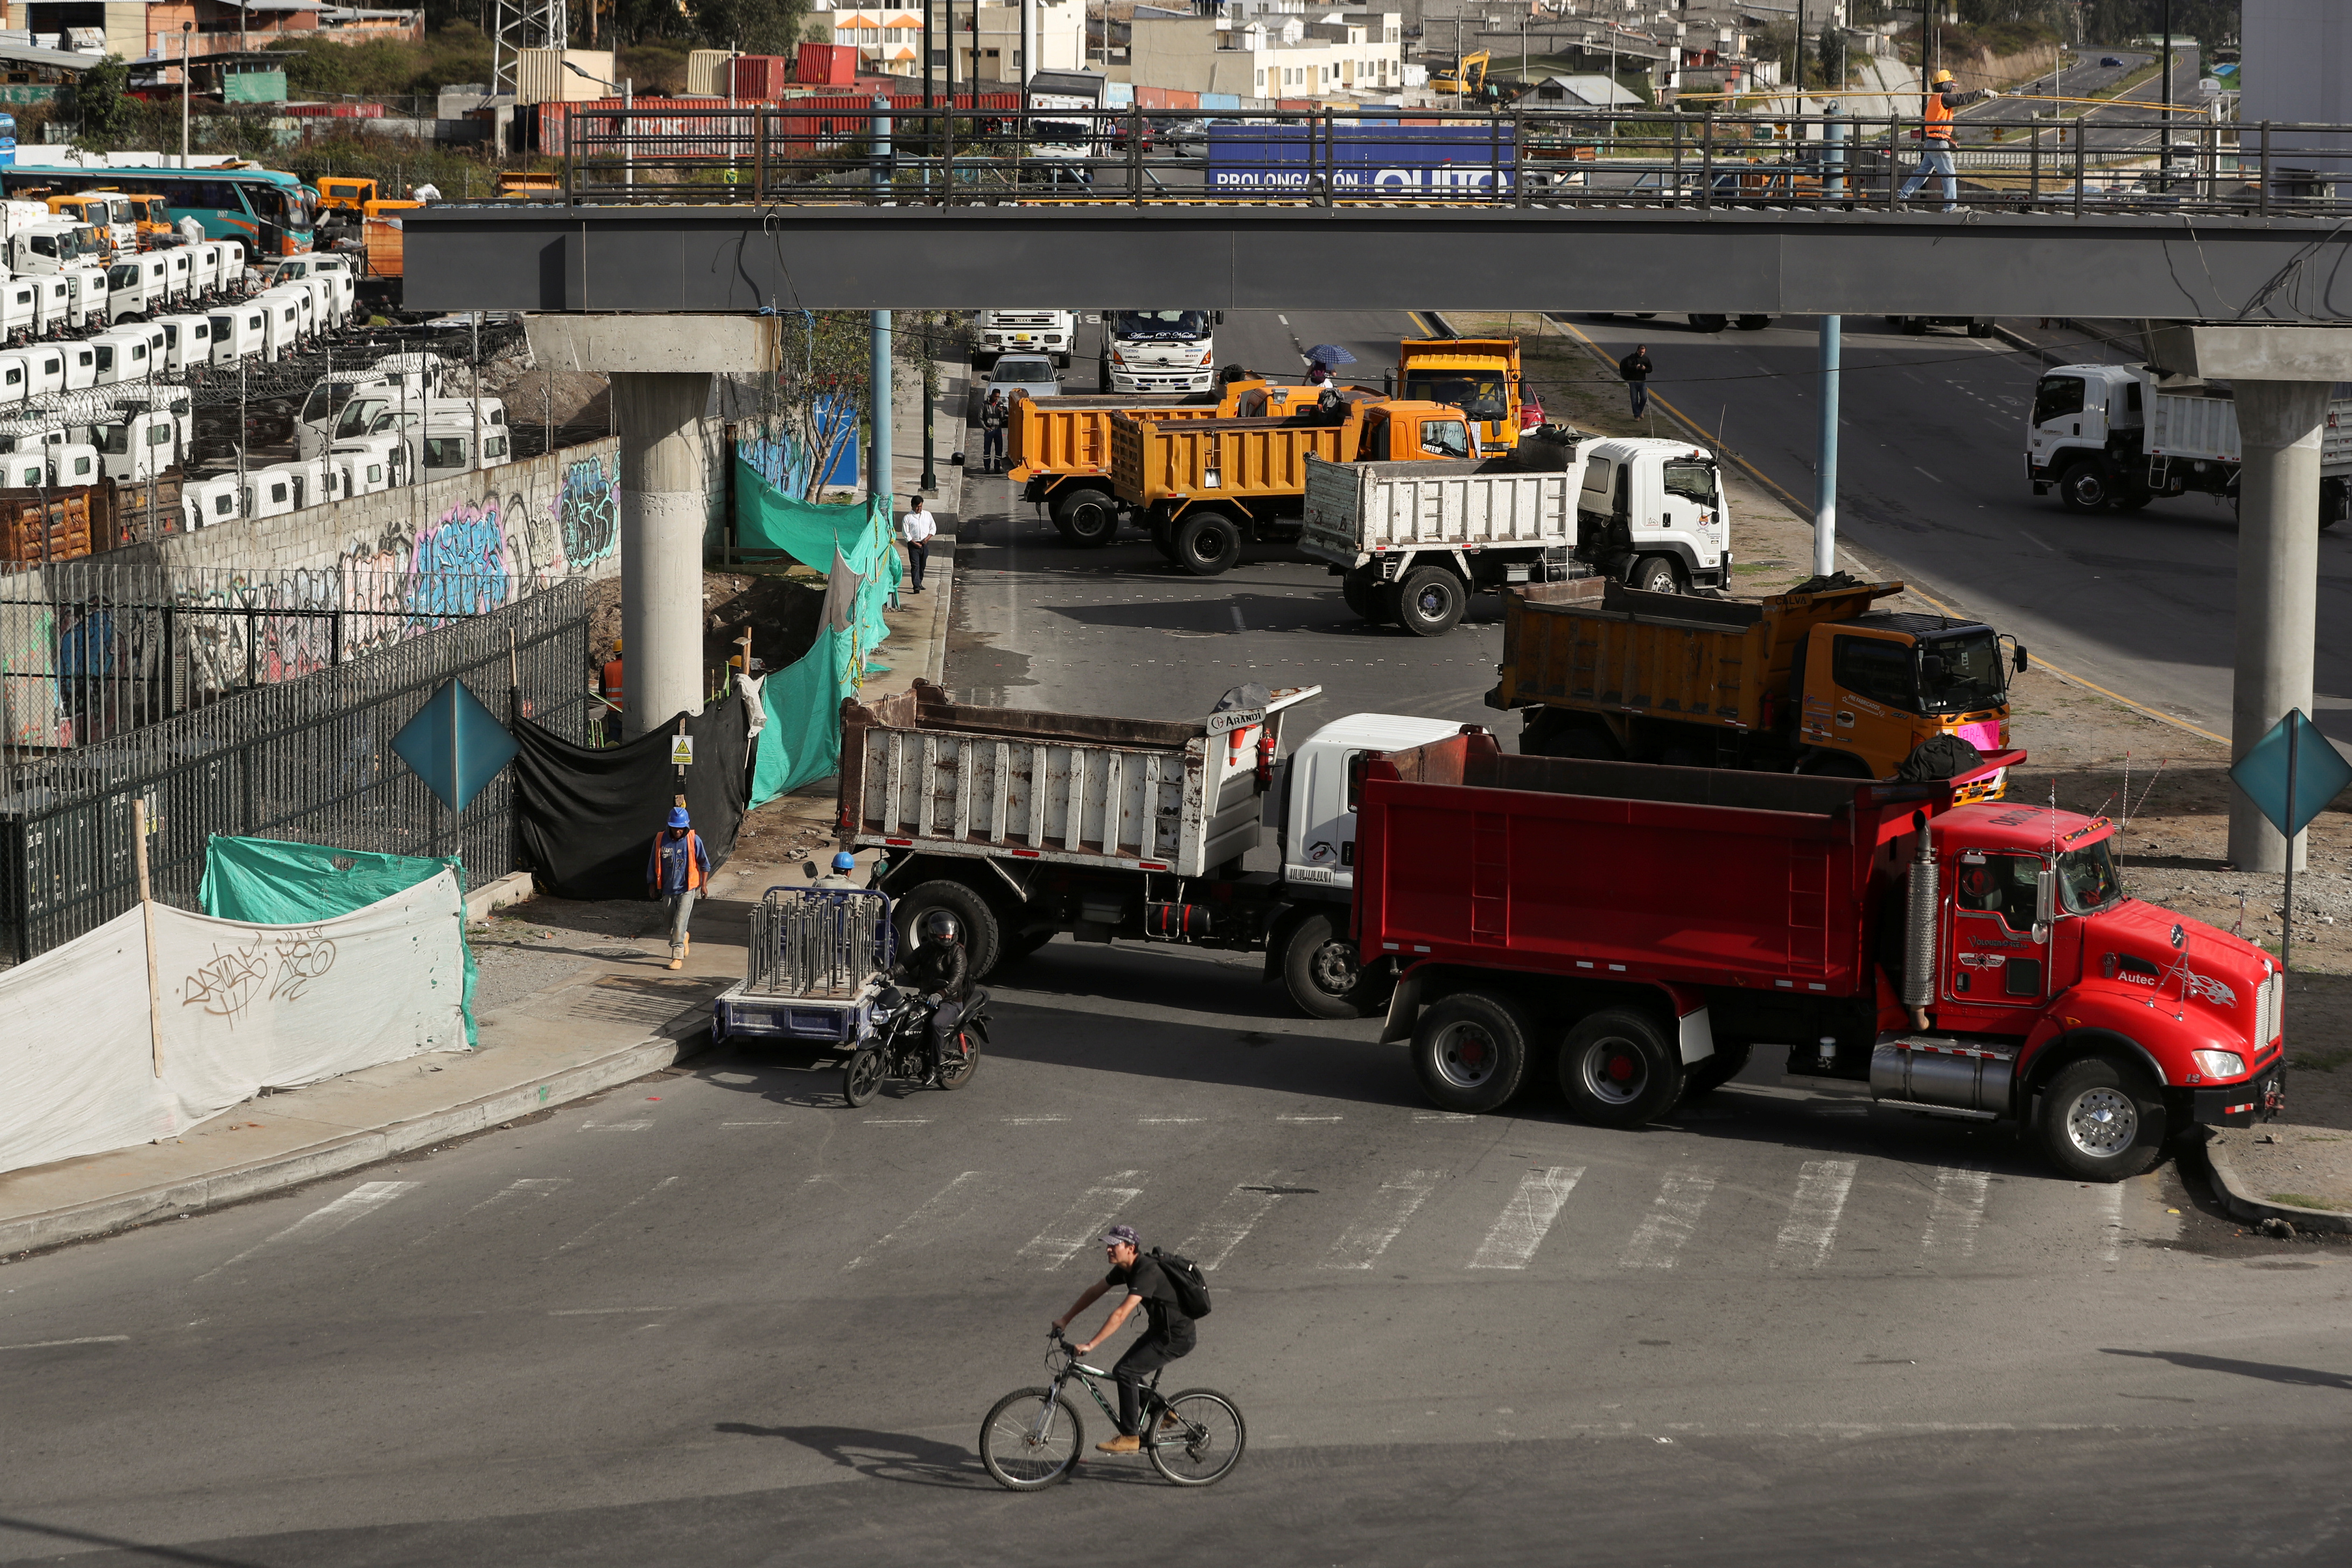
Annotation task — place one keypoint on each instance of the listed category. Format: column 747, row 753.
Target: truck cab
column 1478, row 375
column 1160, row 351
column 2080, row 411
column 1049, row 333
column 1876, row 688
column 1313, row 801
column 1657, row 506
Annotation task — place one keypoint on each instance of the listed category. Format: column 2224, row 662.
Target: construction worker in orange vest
column 1936, row 139
column 675, row 872
column 610, row 688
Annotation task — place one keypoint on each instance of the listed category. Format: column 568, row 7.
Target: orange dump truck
column 1803, row 682
column 1206, row 486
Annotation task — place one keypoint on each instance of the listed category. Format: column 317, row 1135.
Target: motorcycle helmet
column 940, row 925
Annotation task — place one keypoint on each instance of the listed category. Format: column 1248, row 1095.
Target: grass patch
column 2304, row 1201
column 1739, row 566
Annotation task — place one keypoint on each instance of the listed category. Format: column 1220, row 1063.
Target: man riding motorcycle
column 938, row 968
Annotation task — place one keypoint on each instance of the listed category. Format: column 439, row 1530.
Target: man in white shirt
column 917, row 528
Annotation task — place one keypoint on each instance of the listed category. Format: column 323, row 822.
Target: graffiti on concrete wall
column 588, row 512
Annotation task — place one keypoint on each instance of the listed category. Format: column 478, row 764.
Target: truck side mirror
column 808, row 869
column 2018, row 659
column 1216, row 318
column 2045, row 902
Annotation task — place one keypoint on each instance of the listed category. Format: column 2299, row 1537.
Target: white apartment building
column 1276, row 48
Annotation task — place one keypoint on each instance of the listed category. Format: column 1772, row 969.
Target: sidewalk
column 2285, row 1170
column 573, row 997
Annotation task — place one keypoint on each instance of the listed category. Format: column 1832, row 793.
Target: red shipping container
column 331, row 111
column 758, row 77
column 827, row 65
column 1165, row 98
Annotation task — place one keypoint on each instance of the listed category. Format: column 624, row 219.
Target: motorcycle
column 900, row 1044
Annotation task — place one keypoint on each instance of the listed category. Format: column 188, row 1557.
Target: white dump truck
column 1025, row 824
column 1160, row 352
column 1411, row 541
column 2120, row 435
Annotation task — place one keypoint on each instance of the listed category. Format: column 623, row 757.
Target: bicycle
column 1032, row 1437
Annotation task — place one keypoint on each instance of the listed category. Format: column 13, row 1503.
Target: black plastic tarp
column 589, row 818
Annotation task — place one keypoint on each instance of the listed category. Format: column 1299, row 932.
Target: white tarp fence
column 240, row 1007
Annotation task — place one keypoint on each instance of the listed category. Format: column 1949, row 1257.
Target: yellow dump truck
column 1205, row 487
column 1809, row 683
column 1478, row 375
column 1057, row 449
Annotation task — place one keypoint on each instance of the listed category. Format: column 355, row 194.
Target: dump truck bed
column 1696, row 875
column 1598, row 644
column 1072, row 434
column 1234, row 460
column 2193, row 422
column 922, row 772
column 1358, row 511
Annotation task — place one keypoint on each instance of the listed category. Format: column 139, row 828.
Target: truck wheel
column 1979, row 329
column 1587, row 740
column 1324, row 974
column 1754, row 323
column 2086, row 485
column 1087, row 517
column 982, row 942
column 1619, row 1069
column 2101, row 1120
column 1471, row 1051
column 1653, row 574
column 1710, row 323
column 1428, row 601
column 1208, row 544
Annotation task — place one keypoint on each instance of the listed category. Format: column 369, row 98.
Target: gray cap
column 1122, row 1236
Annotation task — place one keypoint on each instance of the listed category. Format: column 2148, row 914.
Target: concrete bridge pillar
column 660, row 367
column 2281, row 378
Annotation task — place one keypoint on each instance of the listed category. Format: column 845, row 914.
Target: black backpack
column 1185, row 1279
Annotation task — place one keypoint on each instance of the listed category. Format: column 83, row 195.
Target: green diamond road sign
column 455, row 745
column 2294, row 770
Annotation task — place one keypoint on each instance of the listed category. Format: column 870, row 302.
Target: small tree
column 102, row 101
column 821, row 380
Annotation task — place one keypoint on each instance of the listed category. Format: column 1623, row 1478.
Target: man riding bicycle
column 1169, row 1336
column 937, row 967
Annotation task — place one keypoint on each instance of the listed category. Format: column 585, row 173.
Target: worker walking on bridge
column 1936, row 139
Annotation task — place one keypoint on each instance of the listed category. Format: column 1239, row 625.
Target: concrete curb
column 2243, row 1205
column 120, row 1211
column 514, row 888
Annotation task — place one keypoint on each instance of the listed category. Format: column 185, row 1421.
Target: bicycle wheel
column 1032, row 1438
column 1205, row 1441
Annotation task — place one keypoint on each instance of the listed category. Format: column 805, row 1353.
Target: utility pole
column 186, row 29
column 2164, row 128
column 927, row 57
column 1825, row 462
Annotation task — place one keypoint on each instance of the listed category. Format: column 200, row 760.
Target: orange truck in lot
column 1058, row 448
column 1204, row 487
column 1803, row 682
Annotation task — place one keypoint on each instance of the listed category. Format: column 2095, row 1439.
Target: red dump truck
column 1975, row 960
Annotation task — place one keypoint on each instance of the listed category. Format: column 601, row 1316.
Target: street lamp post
column 627, row 86
column 186, row 29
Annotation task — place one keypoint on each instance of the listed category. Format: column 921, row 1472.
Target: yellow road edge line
column 1699, row 434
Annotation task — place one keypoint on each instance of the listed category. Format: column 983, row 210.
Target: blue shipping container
column 1401, row 161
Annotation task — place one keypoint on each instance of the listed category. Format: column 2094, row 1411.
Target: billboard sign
column 1408, row 162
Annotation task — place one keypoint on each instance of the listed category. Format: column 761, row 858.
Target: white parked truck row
column 1410, row 541
column 2120, row 435
column 1047, row 333
column 1158, row 352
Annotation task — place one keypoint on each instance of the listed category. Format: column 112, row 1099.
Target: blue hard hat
column 677, row 817
column 845, row 861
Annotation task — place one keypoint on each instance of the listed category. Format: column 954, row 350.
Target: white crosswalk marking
column 357, row 1204
column 1235, row 1218
column 1956, row 1211
column 2111, row 1223
column 647, row 1195
column 1082, row 1222
column 1520, row 1229
column 1361, row 1244
column 1672, row 1215
column 1804, row 1240
column 923, row 1210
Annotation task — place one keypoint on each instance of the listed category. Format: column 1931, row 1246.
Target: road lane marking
column 1672, row 1217
column 1918, row 470
column 894, row 1121
column 1306, row 1118
column 1442, row 1116
column 922, row 1211
column 2030, row 540
column 653, row 1192
column 602, row 1311
column 614, row 1126
column 85, row 1339
column 357, row 1204
column 528, row 1186
column 1804, row 1240
column 1166, row 1121
column 2111, row 1222
column 1031, row 1121
column 1361, row 1244
column 1235, row 1218
column 1239, row 625
column 1083, row 1222
column 773, row 1121
column 1956, row 1209
column 1520, row 1229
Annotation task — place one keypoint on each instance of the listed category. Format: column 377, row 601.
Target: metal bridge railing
column 2008, row 161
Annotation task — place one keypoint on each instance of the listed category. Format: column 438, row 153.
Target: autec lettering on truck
column 1719, row 912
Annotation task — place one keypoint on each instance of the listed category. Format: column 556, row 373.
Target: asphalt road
column 1931, row 481
column 718, row 1318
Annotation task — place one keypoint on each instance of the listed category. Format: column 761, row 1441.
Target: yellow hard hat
column 1941, row 78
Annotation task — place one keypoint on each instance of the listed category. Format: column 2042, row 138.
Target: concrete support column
column 663, row 508
column 877, row 449
column 2279, row 425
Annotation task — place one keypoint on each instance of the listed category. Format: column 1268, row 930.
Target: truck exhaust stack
column 1919, row 928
